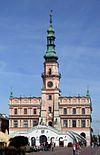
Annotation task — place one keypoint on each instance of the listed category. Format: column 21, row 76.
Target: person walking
column 78, row 148
column 52, row 146
column 74, row 149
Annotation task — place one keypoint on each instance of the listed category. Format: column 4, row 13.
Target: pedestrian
column 52, row 146
column 92, row 145
column 78, row 148
column 74, row 149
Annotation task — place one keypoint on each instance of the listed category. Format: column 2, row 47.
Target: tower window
column 50, row 109
column 50, row 97
column 73, row 123
column 74, row 110
column 25, row 111
column 15, row 111
column 65, row 111
column 49, row 71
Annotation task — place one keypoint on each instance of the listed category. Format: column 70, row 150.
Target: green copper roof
column 50, row 53
column 50, row 30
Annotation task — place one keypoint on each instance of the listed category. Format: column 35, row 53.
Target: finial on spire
column 88, row 93
column 51, row 16
column 11, row 93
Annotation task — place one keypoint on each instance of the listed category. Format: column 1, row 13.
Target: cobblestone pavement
column 90, row 151
column 68, row 151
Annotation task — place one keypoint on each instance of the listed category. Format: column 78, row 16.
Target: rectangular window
column 83, row 125
column 34, row 111
column 69, row 123
column 35, row 123
column 83, row 111
column 25, row 124
column 50, row 97
column 15, row 111
column 74, row 123
column 74, row 111
column 65, row 111
column 25, row 110
column 87, row 123
column 50, row 109
column 15, row 123
column 65, row 123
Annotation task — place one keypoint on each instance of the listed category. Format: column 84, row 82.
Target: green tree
column 18, row 141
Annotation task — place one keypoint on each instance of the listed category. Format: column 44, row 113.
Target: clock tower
column 51, row 83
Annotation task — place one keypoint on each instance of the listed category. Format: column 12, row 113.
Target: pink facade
column 24, row 113
column 63, row 113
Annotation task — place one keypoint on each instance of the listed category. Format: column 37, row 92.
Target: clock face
column 50, row 84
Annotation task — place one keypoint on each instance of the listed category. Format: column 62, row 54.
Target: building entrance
column 61, row 142
column 50, row 123
column 83, row 134
column 43, row 139
column 33, row 141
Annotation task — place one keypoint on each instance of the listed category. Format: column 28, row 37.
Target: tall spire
column 50, row 54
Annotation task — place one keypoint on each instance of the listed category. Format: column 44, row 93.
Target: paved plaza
column 68, row 151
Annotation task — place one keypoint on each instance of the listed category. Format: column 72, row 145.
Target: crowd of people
column 44, row 147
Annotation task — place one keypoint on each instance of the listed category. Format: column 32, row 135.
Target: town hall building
column 51, row 116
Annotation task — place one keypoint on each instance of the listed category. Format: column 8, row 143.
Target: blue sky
column 23, row 31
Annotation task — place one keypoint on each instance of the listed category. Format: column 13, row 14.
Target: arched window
column 33, row 141
column 43, row 139
column 83, row 134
